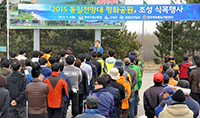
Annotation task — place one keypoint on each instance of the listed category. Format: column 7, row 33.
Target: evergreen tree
column 163, row 32
column 191, row 33
column 122, row 41
column 190, row 37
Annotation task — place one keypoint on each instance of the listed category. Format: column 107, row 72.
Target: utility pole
column 172, row 39
column 142, row 55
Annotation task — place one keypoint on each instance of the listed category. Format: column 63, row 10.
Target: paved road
column 147, row 81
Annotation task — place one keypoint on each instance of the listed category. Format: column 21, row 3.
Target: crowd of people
column 175, row 93
column 46, row 85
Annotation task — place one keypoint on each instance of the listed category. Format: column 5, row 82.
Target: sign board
column 36, row 22
column 97, row 13
column 2, row 48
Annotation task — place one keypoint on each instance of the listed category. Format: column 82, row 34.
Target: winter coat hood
column 16, row 76
column 185, row 64
column 110, row 60
column 186, row 91
column 178, row 110
column 35, row 59
column 6, row 71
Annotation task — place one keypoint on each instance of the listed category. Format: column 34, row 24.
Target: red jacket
column 57, row 90
column 183, row 69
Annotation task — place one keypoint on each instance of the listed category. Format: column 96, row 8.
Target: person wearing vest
column 57, row 90
column 97, row 47
column 100, row 60
column 110, row 61
column 47, row 55
column 173, row 62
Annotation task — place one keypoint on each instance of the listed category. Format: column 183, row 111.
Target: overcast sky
column 149, row 26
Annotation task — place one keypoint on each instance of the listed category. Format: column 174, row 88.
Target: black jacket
column 152, row 99
column 83, row 85
column 117, row 101
column 120, row 87
column 97, row 64
column 190, row 68
column 4, row 102
column 16, row 84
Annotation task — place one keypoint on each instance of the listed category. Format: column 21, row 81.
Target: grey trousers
column 17, row 111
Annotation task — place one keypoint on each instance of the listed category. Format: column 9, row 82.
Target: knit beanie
column 170, row 72
column 178, row 96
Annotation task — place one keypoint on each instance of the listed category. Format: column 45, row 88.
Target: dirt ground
column 150, row 66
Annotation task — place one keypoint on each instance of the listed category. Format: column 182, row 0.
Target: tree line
column 185, row 37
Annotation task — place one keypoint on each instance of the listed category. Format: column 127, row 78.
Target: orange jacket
column 160, row 69
column 172, row 81
column 127, row 88
column 57, row 90
column 47, row 57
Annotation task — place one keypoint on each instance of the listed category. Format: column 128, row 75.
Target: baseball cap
column 133, row 53
column 158, row 77
column 91, row 101
column 183, row 84
column 170, row 72
column 167, row 89
column 131, row 57
column 166, row 77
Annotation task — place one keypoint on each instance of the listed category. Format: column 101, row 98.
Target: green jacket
column 5, row 71
column 139, row 75
column 140, row 70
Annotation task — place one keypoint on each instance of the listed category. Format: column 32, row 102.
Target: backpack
column 126, row 76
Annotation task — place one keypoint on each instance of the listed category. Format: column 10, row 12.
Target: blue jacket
column 90, row 113
column 106, row 101
column 46, row 71
column 94, row 68
column 116, row 95
column 66, row 98
column 94, row 73
column 30, row 78
column 98, row 50
column 61, row 73
column 160, row 107
column 192, row 105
